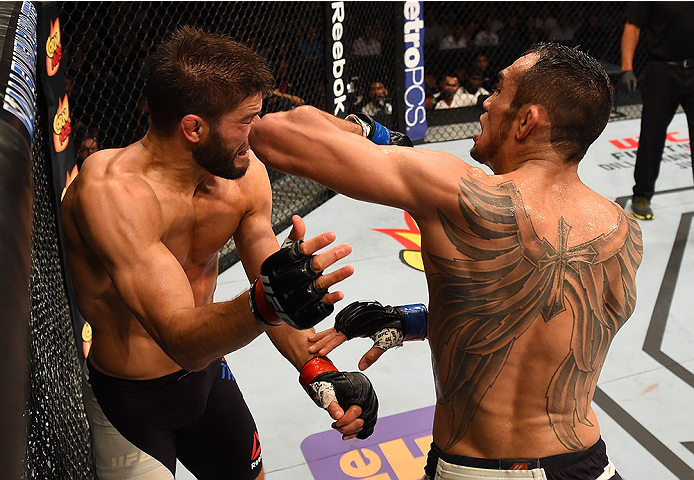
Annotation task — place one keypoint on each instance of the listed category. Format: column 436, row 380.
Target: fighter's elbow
column 187, row 361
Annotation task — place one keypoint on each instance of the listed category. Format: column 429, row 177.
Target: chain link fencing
column 58, row 436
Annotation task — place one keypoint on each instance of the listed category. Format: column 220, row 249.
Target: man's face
column 497, row 120
column 225, row 152
column 482, row 62
column 89, row 146
column 450, row 84
column 474, row 83
column 378, row 92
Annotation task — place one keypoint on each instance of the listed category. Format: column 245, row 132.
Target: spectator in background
column 545, row 21
column 311, row 46
column 591, row 36
column 378, row 106
column 562, row 32
column 86, row 143
column 450, row 95
column 475, row 93
column 512, row 40
column 368, row 44
column 535, row 34
column 497, row 24
column 486, row 37
column 457, row 39
column 482, row 67
column 283, row 97
column 431, row 86
column 434, row 31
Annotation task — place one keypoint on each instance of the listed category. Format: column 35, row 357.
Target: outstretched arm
column 310, row 143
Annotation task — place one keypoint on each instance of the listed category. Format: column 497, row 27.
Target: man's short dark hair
column 575, row 90
column 202, row 73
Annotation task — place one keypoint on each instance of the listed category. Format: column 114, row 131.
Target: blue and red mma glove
column 377, row 133
column 387, row 326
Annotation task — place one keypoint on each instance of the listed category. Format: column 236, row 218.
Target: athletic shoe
column 641, row 207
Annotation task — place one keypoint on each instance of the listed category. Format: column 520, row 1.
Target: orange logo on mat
column 411, row 239
column 61, row 126
column 54, row 49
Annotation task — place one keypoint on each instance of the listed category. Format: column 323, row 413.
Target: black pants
column 664, row 88
column 198, row 417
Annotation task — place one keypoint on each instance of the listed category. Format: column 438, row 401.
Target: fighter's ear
column 528, row 118
column 194, row 128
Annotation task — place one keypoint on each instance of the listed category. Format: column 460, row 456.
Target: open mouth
column 243, row 153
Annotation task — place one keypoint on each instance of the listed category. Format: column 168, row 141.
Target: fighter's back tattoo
column 507, row 278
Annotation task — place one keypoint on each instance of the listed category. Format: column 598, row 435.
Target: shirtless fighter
column 530, row 272
column 144, row 225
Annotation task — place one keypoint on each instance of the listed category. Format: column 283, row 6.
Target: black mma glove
column 286, row 292
column 387, row 326
column 324, row 384
column 377, row 133
column 629, row 80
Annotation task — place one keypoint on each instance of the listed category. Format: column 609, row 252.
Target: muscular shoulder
column 432, row 179
column 107, row 191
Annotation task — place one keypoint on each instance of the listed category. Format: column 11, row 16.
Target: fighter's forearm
column 199, row 335
column 292, row 344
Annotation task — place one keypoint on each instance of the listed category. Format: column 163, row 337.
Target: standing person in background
column 668, row 81
column 86, row 143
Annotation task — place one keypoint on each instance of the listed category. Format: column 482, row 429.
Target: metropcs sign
column 413, row 62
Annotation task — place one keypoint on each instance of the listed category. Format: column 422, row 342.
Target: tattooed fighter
column 530, row 272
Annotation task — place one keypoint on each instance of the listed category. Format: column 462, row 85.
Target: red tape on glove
column 313, row 368
column 263, row 310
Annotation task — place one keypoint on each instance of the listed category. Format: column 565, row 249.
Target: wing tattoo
column 507, row 278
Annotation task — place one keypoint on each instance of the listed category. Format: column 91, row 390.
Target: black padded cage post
column 17, row 81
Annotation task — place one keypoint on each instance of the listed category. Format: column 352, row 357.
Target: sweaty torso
column 529, row 281
column 193, row 225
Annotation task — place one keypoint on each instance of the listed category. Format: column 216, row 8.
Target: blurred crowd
column 465, row 45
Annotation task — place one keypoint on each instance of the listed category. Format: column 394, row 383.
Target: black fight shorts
column 198, row 417
column 591, row 464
